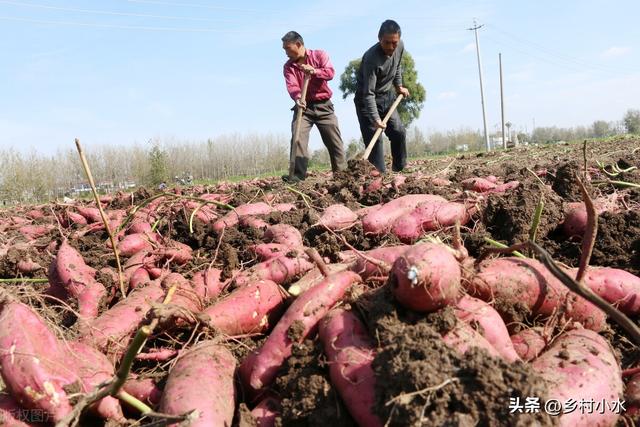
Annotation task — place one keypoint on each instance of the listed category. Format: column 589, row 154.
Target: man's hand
column 301, row 103
column 380, row 125
column 401, row 90
column 308, row 69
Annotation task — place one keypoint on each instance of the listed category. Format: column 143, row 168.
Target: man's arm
column 293, row 86
column 324, row 70
column 369, row 80
column 397, row 80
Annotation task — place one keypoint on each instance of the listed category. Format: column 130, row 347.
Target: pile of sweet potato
column 277, row 296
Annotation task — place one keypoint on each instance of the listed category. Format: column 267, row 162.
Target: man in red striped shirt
column 317, row 105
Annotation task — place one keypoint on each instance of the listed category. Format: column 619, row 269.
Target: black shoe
column 294, row 179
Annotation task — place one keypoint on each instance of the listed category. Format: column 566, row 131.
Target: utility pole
column 484, row 114
column 504, row 141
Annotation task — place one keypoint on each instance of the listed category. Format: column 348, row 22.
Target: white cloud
column 447, row 95
column 614, row 51
column 471, row 47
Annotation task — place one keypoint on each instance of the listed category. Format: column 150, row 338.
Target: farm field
column 342, row 300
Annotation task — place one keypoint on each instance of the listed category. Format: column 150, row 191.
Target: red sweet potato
column 246, row 310
column 486, row 320
column 111, row 331
column 212, row 366
column 462, row 337
column 281, row 270
column 176, row 252
column 93, row 368
column 266, row 411
column 11, row 413
column 284, row 234
column 185, row 294
column 350, row 353
column 575, row 217
column 231, row 218
column 429, row 217
column 259, row 369
column 69, row 271
column 133, row 243
column 581, row 365
column 616, row 286
column 139, row 226
column 207, row 283
column 526, row 282
column 267, row 251
column 32, row 232
column 381, row 220
column 313, row 277
column 76, row 218
column 139, row 277
column 143, row 389
column 367, row 269
column 426, row 277
column 91, row 214
column 477, row 184
column 253, row 222
column 338, row 216
column 31, row 363
column 529, row 343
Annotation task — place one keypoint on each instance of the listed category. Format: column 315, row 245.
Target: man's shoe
column 293, row 180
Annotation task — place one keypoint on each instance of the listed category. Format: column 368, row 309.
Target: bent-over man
column 317, row 105
column 379, row 80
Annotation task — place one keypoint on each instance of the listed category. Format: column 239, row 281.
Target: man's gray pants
column 322, row 115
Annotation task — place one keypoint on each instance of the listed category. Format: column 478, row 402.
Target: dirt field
column 447, row 387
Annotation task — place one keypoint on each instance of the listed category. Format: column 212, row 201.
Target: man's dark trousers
column 395, row 131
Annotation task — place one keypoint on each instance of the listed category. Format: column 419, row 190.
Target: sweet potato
column 69, row 271
column 486, row 320
column 94, row 368
column 632, row 395
column 462, row 337
column 350, row 353
column 526, row 282
column 247, row 309
column 284, row 234
column 133, row 243
column 31, row 363
column 139, row 277
column 176, row 252
column 266, row 411
column 11, row 413
column 281, row 270
column 386, row 254
column 212, row 394
column 207, row 283
column 76, row 218
column 143, row 389
column 139, row 226
column 185, row 294
column 313, row 277
column 253, row 222
column 338, row 216
column 111, row 331
column 581, row 365
column 529, row 343
column 267, row 251
column 32, row 232
column 426, row 277
column 575, row 217
column 381, row 220
column 429, row 217
column 616, row 286
column 259, row 369
column 231, row 218
column 91, row 214
column 477, row 184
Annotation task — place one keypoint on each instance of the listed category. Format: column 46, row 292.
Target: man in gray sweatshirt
column 379, row 80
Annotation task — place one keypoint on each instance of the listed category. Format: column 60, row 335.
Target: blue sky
column 125, row 71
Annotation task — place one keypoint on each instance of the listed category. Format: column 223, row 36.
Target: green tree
column 158, row 167
column 409, row 108
column 632, row 121
column 601, row 129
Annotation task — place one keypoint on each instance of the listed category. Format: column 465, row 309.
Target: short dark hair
column 389, row 27
column 292, row 37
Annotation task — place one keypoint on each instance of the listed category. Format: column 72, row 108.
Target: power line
column 123, row 27
column 112, row 13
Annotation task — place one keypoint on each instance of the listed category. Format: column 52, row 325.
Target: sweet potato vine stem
column 317, row 259
column 87, row 171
